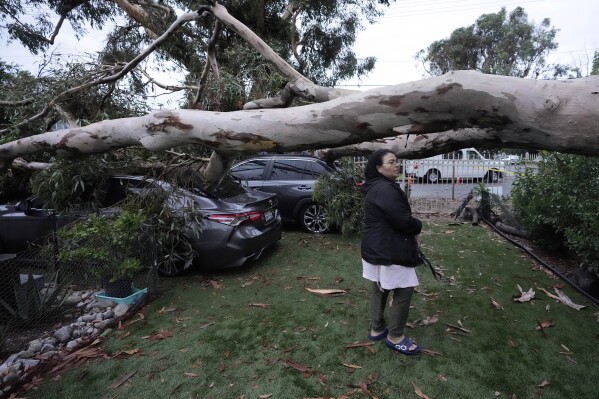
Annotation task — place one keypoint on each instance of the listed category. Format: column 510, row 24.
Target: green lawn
column 257, row 332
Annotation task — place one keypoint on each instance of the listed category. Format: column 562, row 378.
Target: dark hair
column 375, row 159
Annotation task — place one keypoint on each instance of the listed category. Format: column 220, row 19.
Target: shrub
column 558, row 205
column 340, row 194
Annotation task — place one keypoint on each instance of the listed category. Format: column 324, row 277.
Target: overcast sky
column 407, row 27
column 411, row 25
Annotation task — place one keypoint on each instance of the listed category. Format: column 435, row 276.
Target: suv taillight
column 235, row 219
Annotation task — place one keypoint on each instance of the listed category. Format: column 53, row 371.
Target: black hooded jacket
column 389, row 230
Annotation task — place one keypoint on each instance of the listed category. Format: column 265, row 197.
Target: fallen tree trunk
column 444, row 113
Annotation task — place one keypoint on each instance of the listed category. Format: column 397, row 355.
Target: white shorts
column 390, row 277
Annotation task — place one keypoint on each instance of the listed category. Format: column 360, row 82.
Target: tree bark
column 439, row 114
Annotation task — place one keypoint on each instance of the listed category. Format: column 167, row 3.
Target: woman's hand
column 418, row 240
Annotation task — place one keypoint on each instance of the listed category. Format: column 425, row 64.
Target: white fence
column 457, row 179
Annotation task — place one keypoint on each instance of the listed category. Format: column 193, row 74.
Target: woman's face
column 390, row 167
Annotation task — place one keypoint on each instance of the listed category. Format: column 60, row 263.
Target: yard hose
column 543, row 263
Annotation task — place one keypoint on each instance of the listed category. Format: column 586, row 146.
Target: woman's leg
column 398, row 313
column 377, row 308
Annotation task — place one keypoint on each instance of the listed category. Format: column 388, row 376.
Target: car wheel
column 312, row 218
column 433, row 176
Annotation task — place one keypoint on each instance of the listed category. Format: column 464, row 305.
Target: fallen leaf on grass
column 549, row 294
column 215, row 284
column 162, row 334
column 543, row 384
column 325, row 292
column 122, row 380
column 129, row 352
column 496, row 305
column 191, row 374
column 206, row 325
column 525, row 296
column 545, row 324
column 288, row 363
column 419, row 392
column 567, row 301
column 429, row 320
column 458, row 328
column 359, row 344
column 265, row 396
column 430, row 352
column 166, row 310
column 260, row 305
column 442, row 377
column 321, row 379
column 351, row 366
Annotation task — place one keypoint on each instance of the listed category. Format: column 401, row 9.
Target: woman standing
column 389, row 251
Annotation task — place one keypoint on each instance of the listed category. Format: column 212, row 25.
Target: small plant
column 340, row 194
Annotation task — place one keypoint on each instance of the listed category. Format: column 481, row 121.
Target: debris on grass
column 496, row 305
column 122, row 380
column 429, row 320
column 567, row 301
column 458, row 328
column 525, row 296
column 162, row 334
column 545, row 324
column 259, row 305
column 419, row 392
column 326, row 292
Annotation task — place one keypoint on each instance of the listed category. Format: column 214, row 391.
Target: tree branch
column 124, row 69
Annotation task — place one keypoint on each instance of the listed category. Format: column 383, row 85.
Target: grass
column 234, row 332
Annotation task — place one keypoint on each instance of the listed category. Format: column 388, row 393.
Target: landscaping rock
column 64, row 334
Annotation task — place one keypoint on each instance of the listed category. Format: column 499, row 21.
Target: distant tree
column 595, row 67
column 498, row 44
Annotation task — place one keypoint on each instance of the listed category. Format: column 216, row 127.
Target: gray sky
column 407, row 27
column 411, row 25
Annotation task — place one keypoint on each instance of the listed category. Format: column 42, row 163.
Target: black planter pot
column 120, row 288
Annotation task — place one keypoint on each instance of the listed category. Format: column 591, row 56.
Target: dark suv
column 292, row 178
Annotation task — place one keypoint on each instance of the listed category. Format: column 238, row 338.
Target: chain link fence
column 41, row 289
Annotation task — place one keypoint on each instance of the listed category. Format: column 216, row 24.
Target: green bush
column 112, row 243
column 340, row 194
column 559, row 205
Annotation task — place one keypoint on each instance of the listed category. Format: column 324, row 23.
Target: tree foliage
column 497, row 43
column 340, row 193
column 558, row 205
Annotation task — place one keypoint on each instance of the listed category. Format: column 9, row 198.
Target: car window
column 290, row 170
column 318, row 169
column 251, row 170
column 472, row 155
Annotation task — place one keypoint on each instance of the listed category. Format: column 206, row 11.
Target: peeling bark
column 484, row 110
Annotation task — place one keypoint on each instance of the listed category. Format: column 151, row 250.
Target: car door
column 292, row 181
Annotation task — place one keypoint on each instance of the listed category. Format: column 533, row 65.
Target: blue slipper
column 378, row 337
column 403, row 346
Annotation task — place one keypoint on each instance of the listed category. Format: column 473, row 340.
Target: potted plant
column 108, row 247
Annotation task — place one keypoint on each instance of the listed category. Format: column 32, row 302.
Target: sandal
column 403, row 346
column 379, row 336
